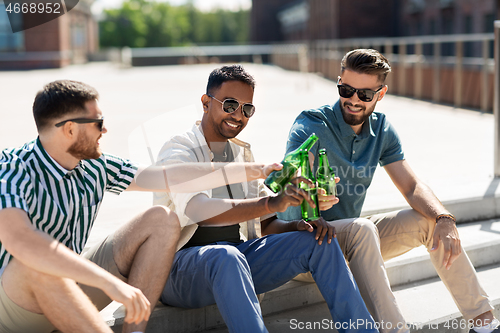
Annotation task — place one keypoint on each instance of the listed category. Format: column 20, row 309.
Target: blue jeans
column 231, row 275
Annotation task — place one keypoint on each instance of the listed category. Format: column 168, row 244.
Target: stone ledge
column 466, row 210
column 292, row 295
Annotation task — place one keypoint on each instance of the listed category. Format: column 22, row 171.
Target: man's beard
column 228, row 134
column 357, row 119
column 84, row 148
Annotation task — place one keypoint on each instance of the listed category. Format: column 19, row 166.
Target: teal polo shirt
column 354, row 158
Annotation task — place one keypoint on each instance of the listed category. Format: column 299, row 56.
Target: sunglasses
column 230, row 105
column 100, row 122
column 365, row 95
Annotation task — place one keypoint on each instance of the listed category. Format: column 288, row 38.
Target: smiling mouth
column 231, row 124
column 354, row 109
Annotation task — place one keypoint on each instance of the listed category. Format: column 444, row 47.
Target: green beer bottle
column 325, row 175
column 277, row 180
column 308, row 213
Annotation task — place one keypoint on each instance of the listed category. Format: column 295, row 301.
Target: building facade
column 292, row 20
column 68, row 39
column 441, row 17
column 300, row 20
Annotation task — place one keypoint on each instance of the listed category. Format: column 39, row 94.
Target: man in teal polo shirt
column 357, row 139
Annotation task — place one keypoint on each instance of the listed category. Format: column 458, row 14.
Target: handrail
column 496, row 102
column 187, row 51
column 409, row 40
column 418, row 62
column 410, row 57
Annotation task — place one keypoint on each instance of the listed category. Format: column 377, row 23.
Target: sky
column 205, row 5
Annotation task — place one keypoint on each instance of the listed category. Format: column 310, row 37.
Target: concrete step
column 422, row 297
column 429, row 307
column 481, row 241
column 292, row 295
column 426, row 305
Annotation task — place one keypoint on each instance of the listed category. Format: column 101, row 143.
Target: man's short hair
column 60, row 98
column 228, row 73
column 366, row 61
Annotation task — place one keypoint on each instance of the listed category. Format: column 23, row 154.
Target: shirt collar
column 346, row 130
column 201, row 137
column 54, row 168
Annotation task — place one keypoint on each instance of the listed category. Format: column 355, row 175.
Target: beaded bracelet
column 450, row 216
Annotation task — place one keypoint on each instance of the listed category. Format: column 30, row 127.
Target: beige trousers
column 368, row 242
column 14, row 319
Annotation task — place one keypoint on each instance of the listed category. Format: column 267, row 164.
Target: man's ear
column 382, row 93
column 205, row 100
column 69, row 129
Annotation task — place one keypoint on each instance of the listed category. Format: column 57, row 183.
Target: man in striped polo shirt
column 50, row 193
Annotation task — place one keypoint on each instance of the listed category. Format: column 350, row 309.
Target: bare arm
column 421, row 198
column 193, row 177
column 276, row 226
column 222, row 212
column 42, row 253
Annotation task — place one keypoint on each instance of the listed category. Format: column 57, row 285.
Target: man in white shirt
column 217, row 265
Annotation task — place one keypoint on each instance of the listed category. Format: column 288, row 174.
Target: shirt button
column 354, row 152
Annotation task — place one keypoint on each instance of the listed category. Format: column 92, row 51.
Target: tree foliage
column 142, row 23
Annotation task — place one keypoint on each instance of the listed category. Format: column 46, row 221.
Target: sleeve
column 14, row 181
column 307, row 123
column 265, row 192
column 393, row 150
column 119, row 172
column 178, row 150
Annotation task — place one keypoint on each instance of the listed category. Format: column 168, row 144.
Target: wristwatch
column 449, row 216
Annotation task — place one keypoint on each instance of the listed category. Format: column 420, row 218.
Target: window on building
column 447, row 25
column 78, row 39
column 468, row 46
column 9, row 41
column 468, row 24
column 489, row 20
column 432, row 27
column 447, row 49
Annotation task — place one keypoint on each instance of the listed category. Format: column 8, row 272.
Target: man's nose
column 238, row 113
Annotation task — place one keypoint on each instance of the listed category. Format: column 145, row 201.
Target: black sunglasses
column 230, row 105
column 100, row 122
column 365, row 95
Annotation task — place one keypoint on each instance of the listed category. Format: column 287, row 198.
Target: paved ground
column 450, row 149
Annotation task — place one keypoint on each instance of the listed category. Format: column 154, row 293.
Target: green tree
column 142, row 23
column 124, row 26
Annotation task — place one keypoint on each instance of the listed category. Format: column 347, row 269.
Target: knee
column 365, row 231
column 46, row 279
column 365, row 227
column 34, row 278
column 221, row 257
column 424, row 225
column 162, row 219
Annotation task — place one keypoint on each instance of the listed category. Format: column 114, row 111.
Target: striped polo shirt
column 61, row 203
